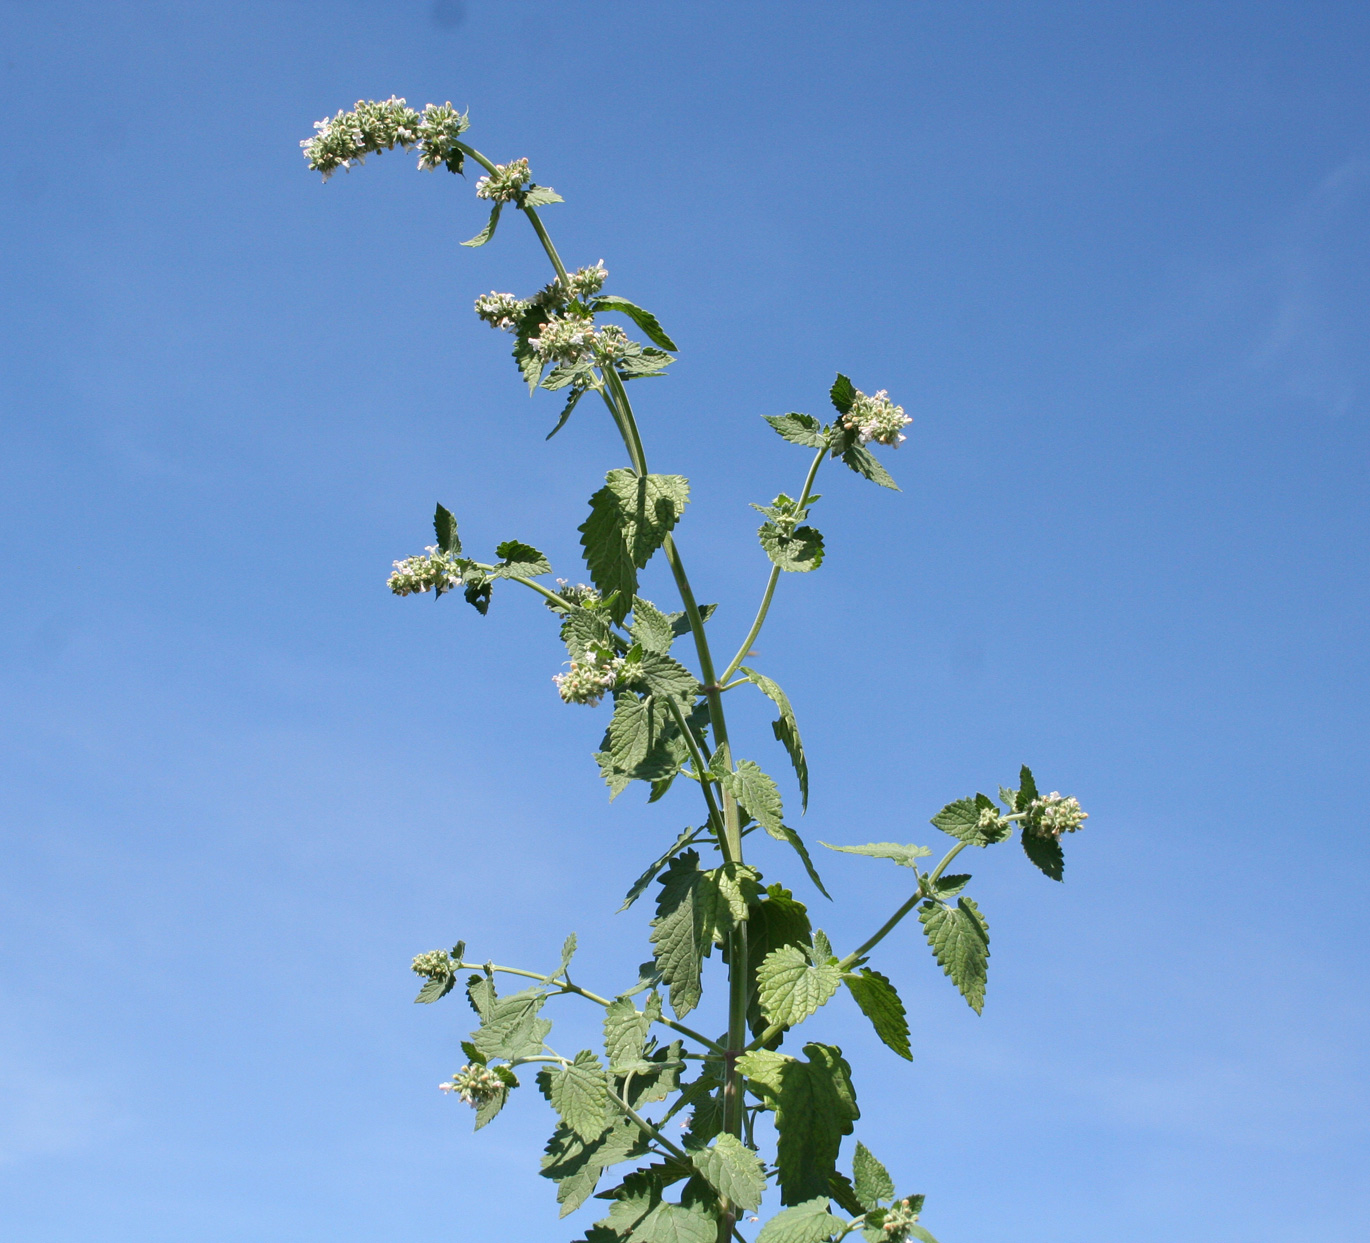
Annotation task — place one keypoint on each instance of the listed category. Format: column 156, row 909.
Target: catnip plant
column 616, row 1107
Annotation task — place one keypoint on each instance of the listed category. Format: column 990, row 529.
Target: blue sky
column 1113, row 260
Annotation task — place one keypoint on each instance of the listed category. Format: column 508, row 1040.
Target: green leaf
column 841, row 1190
column 683, row 931
column 445, row 528
column 809, row 1222
column 629, row 519
column 651, row 627
column 905, row 856
column 788, row 835
column 791, row 988
column 872, row 1180
column 519, row 561
column 950, row 886
column 843, row 394
column 774, row 919
column 642, row 742
column 786, row 729
column 670, row 679
column 1027, row 788
column 643, row 319
column 529, row 361
column 566, row 374
column 480, row 992
column 539, row 196
column 676, row 1223
column 798, row 552
column 815, row 1106
column 579, row 1093
column 575, row 1166
column 959, row 937
column 489, row 231
column 1044, row 849
column 625, row 1033
column 680, row 623
column 511, row 1028
column 758, row 794
column 568, row 951
column 582, row 629
column 477, row 595
column 490, row 1106
column 962, row 820
column 648, row 362
column 647, row 877
column 435, row 988
column 880, row 1003
column 733, row 1170
column 572, row 399
column 657, row 1076
column 918, row 1232
column 865, row 463
column 799, row 429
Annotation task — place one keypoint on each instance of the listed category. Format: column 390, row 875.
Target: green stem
column 774, row 578
column 702, row 768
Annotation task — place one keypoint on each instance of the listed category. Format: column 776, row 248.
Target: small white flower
column 876, row 418
column 1057, row 814
column 475, row 1084
column 561, row 340
column 898, row 1218
column 500, row 310
column 434, row 965
column 589, row 678
column 586, row 281
column 434, row 570
column 504, row 184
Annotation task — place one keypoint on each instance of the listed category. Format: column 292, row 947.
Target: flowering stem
column 774, row 578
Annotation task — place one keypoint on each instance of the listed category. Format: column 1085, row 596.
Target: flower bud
column 435, row 965
column 1056, row 814
column 415, row 575
column 475, row 1084
column 504, row 184
column 876, row 418
column 596, row 673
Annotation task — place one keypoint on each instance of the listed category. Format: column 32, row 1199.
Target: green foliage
column 814, row 1105
column 959, row 937
column 629, row 520
column 668, row 722
column 880, row 1003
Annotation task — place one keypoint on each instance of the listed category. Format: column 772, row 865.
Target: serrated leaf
column 647, row 362
column 880, row 1003
column 651, row 627
column 629, row 519
column 905, row 856
column 676, row 1223
column 792, row 838
column 580, row 1094
column 1027, row 788
column 480, row 992
column 758, row 794
column 576, row 1166
column 680, row 623
column 489, row 1106
column 572, row 400
column 733, row 1170
column 786, row 728
column 643, row 319
column 683, row 931
column 774, row 919
column 566, row 374
column 865, row 463
column 539, row 196
column 434, row 989
column 923, row 1235
column 582, row 629
column 809, row 1222
column 799, row 429
column 872, row 1180
column 512, row 1028
column 959, row 937
column 670, row 679
column 815, row 1106
column 477, row 594
column 489, row 231
column 568, row 951
column 529, row 361
column 962, row 820
column 1044, row 849
column 445, row 528
column 625, row 1032
column 798, row 552
column 640, row 885
column 791, row 988
column 657, row 1076
column 843, row 394
column 950, row 886
column 519, row 560
column 841, row 1190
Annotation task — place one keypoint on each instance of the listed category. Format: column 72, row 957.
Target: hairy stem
column 773, row 579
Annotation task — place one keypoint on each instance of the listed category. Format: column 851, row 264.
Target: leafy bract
column 489, row 231
column 1044, row 849
column 799, row 429
column 519, row 561
column 629, row 520
column 905, row 856
column 880, row 1003
column 791, row 987
column 871, row 1180
column 785, row 728
column 962, row 820
column 843, row 394
column 643, row 319
column 539, row 196
column 798, row 551
column 490, row 1105
column 733, row 1170
column 445, row 528
column 437, row 987
column 959, row 937
column 866, row 464
column 815, row 1106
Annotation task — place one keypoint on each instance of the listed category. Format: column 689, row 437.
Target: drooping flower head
column 474, row 1084
column 380, row 125
column 435, row 570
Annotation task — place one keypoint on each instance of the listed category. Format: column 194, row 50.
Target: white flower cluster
column 990, row 818
column 876, row 418
column 577, row 593
column 379, row 125
column 504, row 184
column 565, row 340
column 1057, row 814
column 586, row 281
column 898, row 1218
column 589, row 678
column 434, row 965
column 415, row 575
column 500, row 310
column 474, row 1084
column 611, row 343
